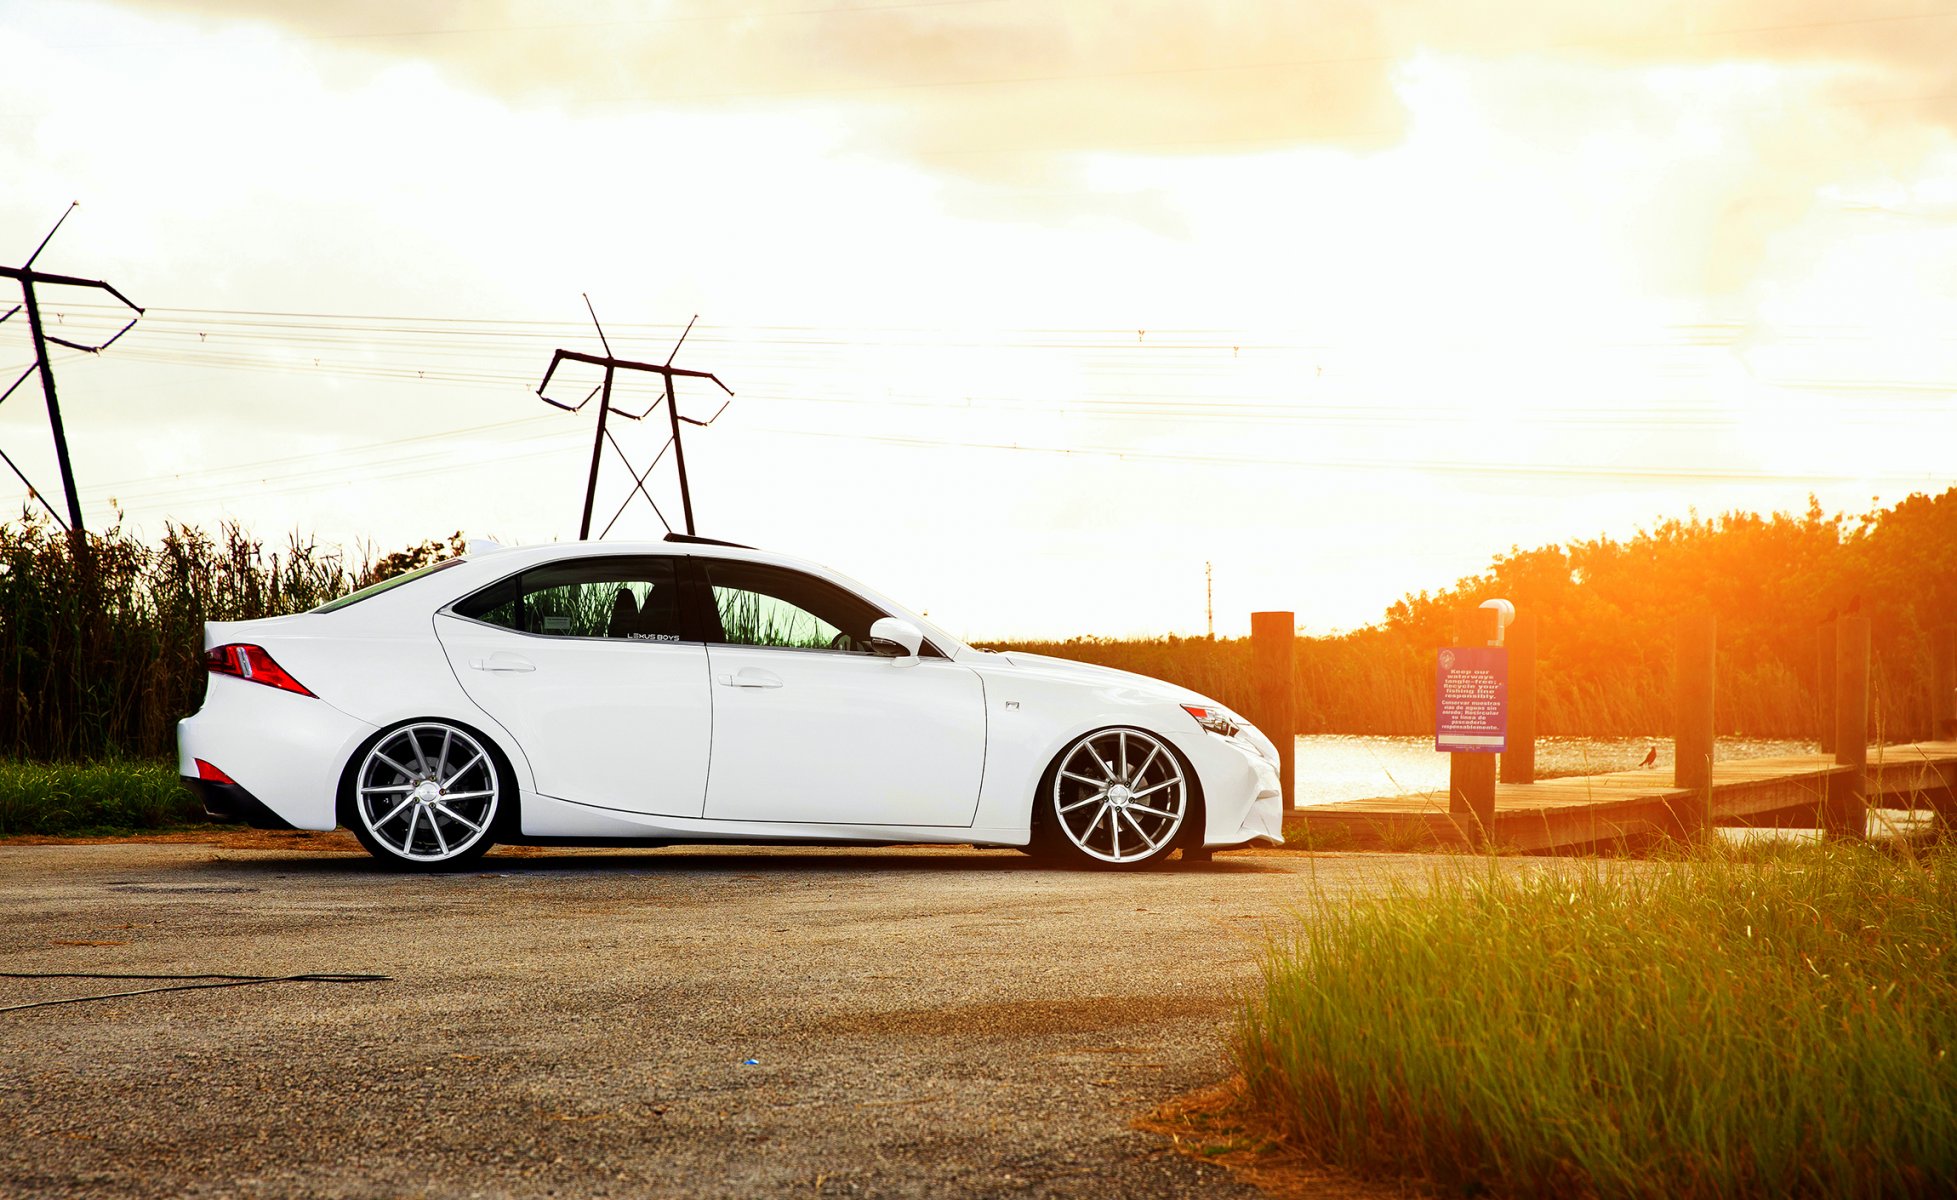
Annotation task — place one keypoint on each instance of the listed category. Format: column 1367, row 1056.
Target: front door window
column 757, row 605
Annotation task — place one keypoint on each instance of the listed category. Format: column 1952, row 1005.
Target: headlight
column 1216, row 719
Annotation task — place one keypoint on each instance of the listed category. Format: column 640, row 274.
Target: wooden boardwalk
column 1588, row 810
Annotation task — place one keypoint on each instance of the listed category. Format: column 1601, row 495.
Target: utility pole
column 611, row 364
column 1209, row 600
column 28, row 277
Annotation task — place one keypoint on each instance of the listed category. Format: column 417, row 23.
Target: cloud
column 976, row 80
column 979, row 78
column 1003, row 97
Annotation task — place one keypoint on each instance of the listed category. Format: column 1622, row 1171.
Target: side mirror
column 896, row 639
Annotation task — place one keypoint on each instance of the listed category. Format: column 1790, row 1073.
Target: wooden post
column 1273, row 653
column 1847, row 811
column 1692, row 724
column 1471, row 776
column 1824, row 684
column 1943, row 713
column 1471, row 793
column 1519, row 760
column 1943, row 684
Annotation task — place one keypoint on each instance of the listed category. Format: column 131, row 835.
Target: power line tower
column 28, row 277
column 612, row 364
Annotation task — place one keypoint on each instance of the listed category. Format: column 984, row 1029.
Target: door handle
column 750, row 677
column 503, row 661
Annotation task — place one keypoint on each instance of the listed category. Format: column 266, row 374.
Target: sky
column 1037, row 313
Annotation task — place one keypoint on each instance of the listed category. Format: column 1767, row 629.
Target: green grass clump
column 1777, row 1024
column 98, row 797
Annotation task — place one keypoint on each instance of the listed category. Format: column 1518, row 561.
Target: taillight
column 251, row 662
column 208, row 772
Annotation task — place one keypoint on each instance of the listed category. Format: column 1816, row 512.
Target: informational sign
column 1471, row 699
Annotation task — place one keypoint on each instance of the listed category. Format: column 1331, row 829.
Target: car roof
column 703, row 548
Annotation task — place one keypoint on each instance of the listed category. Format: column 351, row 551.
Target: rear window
column 387, row 585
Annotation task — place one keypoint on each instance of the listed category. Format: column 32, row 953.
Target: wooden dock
column 1632, row 806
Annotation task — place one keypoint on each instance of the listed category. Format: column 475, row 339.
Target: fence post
column 1471, row 776
column 1692, row 725
column 1943, row 714
column 1273, row 655
column 1943, row 683
column 1847, row 811
column 1519, row 760
column 1824, row 684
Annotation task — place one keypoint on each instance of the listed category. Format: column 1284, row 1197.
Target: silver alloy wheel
column 1119, row 796
column 427, row 792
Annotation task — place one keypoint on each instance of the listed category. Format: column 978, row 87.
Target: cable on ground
column 222, row 981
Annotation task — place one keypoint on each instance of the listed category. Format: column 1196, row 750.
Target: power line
column 383, row 361
column 1106, row 401
column 390, row 471
column 1442, row 466
column 1121, row 367
column 1685, row 334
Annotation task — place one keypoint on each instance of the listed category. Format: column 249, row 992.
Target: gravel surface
column 688, row 1022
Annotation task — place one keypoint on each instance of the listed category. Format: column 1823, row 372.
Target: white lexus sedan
column 695, row 691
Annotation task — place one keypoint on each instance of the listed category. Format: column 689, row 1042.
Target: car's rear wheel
column 426, row 796
column 1116, row 798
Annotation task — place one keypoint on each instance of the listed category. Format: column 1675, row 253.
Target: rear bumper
column 284, row 751
column 232, row 804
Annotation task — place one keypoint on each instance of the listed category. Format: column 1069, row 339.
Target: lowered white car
column 696, row 691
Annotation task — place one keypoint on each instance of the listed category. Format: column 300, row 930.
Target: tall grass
column 1779, row 1023
column 99, row 647
column 116, row 796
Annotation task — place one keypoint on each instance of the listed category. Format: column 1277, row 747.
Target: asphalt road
column 700, row 1022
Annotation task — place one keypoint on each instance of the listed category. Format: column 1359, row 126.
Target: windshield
column 938, row 635
column 386, row 585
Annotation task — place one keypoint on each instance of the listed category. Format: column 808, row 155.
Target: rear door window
column 627, row 597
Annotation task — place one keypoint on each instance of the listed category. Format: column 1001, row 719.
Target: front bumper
column 1264, row 819
column 1241, row 799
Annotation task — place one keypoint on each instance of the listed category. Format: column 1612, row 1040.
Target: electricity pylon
column 28, row 277
column 612, row 364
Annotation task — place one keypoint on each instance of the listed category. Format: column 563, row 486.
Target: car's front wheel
column 426, row 796
column 1115, row 797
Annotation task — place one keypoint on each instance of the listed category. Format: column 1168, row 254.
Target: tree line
column 100, row 650
column 1608, row 609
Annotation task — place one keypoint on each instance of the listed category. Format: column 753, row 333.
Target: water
column 1334, row 767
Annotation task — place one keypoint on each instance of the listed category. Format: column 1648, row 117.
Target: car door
column 584, row 663
column 811, row 726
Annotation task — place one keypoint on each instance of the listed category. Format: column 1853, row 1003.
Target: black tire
column 427, row 795
column 1092, row 796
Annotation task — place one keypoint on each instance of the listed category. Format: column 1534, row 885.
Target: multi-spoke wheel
column 426, row 796
column 1117, row 796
